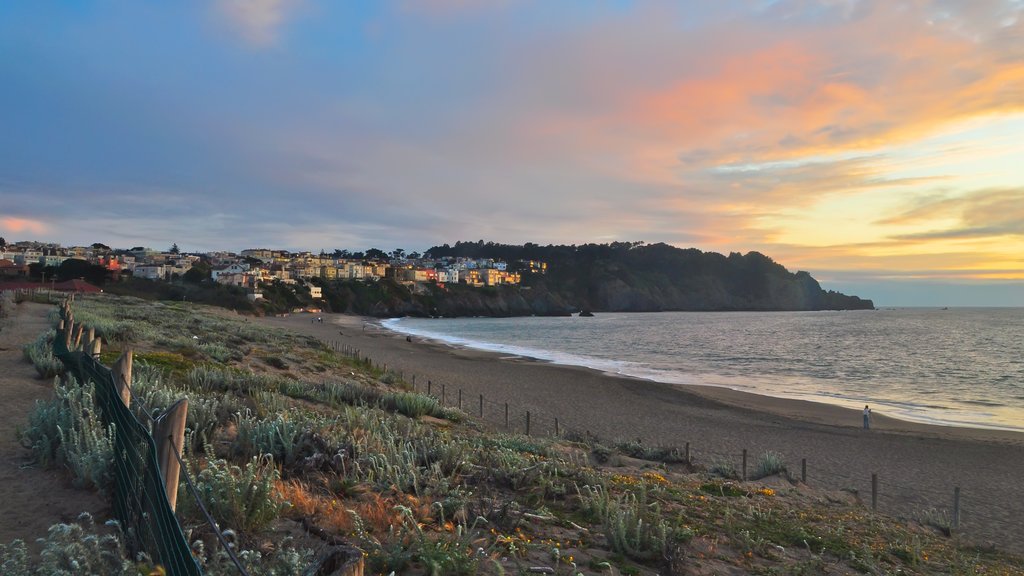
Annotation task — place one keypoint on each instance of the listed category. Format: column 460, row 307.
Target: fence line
column 900, row 500
column 141, row 487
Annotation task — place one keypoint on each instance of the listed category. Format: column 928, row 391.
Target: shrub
column 40, row 354
column 69, row 549
column 67, row 430
column 769, row 464
column 632, row 525
column 412, row 404
column 638, row 449
column 724, row 468
column 287, row 560
column 238, row 498
column 218, row 352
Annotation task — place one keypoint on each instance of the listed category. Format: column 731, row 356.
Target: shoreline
column 918, row 465
column 789, row 406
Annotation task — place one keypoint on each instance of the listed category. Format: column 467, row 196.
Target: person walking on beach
column 867, row 417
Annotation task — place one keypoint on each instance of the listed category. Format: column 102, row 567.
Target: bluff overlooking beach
column 616, row 277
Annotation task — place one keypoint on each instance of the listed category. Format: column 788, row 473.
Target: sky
column 877, row 145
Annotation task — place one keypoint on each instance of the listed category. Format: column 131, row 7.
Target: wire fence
column 982, row 516
column 140, row 502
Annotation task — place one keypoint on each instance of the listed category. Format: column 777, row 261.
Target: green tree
column 74, row 268
column 174, row 249
column 198, row 273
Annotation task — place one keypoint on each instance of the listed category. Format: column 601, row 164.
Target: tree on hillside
column 174, row 249
column 73, row 268
column 199, row 272
column 100, row 246
column 376, row 254
column 3, row 243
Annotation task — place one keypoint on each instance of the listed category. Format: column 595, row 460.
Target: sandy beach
column 917, row 465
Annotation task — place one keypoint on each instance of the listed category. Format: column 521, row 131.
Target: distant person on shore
column 867, row 417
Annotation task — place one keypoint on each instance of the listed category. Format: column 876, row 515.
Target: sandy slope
column 917, row 465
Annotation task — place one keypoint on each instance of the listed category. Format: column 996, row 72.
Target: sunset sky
column 877, row 145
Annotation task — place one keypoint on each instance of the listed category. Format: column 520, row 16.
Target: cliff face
column 605, row 278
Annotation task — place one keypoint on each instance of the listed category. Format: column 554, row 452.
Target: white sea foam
column 906, row 364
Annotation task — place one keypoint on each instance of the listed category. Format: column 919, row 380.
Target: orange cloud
column 19, row 225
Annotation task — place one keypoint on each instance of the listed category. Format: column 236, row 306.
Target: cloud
column 257, row 21
column 978, row 214
column 23, row 225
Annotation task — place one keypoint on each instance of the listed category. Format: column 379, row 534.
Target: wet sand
column 918, row 465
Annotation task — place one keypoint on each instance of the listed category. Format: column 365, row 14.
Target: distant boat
column 586, row 314
column 945, row 308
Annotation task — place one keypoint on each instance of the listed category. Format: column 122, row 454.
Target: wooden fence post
column 169, row 432
column 956, row 508
column 803, row 470
column 428, row 388
column 481, row 406
column 744, row 464
column 90, row 335
column 443, row 393
column 122, row 373
column 506, row 416
column 687, row 452
column 556, row 427
column 460, row 398
column 527, row 422
column 874, row 491
column 94, row 348
column 69, row 327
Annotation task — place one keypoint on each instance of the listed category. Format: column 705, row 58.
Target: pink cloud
column 21, row 225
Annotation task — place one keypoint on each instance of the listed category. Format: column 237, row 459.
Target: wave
column 561, row 358
column 803, row 382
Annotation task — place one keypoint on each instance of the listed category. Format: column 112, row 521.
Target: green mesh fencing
column 140, row 501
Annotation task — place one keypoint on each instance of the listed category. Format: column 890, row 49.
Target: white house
column 448, row 276
column 150, row 271
column 232, row 269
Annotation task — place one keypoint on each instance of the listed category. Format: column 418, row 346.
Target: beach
column 917, row 465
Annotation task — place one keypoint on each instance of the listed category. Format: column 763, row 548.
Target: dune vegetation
column 294, row 447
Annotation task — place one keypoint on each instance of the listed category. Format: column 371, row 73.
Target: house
column 8, row 269
column 471, row 276
column 150, row 271
column 328, row 272
column 228, row 270
column 316, row 292
column 448, row 276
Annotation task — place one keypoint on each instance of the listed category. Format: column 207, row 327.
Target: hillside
column 342, row 451
column 617, row 277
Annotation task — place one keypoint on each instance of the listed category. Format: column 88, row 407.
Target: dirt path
column 31, row 498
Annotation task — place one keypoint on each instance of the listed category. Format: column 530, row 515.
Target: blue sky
column 873, row 144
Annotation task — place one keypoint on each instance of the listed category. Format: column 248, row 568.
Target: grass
column 345, row 447
column 768, row 464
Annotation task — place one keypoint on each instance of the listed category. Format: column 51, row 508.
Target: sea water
column 958, row 367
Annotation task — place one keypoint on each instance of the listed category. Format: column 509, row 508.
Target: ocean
column 956, row 367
